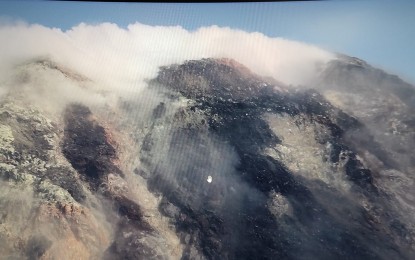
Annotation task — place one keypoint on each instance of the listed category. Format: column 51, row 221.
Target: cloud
column 122, row 59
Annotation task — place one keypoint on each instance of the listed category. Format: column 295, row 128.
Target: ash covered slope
column 290, row 174
column 383, row 102
column 294, row 173
column 63, row 189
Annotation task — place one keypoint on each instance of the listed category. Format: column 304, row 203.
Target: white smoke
column 121, row 59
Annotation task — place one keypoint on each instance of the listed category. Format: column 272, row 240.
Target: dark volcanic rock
column 66, row 179
column 220, row 163
column 86, row 146
column 37, row 246
column 231, row 103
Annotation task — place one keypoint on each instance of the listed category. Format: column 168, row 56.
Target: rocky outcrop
column 241, row 110
column 41, row 195
column 86, row 146
column 210, row 162
column 64, row 195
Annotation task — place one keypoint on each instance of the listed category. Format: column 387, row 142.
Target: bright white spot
column 209, row 179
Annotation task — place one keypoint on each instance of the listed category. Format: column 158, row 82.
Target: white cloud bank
column 123, row 58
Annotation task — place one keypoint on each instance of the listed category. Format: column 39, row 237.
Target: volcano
column 212, row 162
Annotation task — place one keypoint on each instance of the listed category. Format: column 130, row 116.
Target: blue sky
column 380, row 32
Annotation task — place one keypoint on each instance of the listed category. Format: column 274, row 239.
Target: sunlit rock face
column 210, row 162
column 44, row 211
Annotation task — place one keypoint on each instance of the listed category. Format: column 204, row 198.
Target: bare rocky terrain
column 212, row 162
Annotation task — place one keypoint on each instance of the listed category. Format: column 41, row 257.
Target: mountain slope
column 210, row 162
